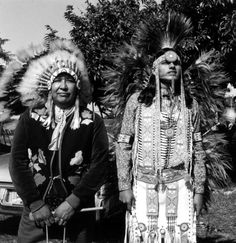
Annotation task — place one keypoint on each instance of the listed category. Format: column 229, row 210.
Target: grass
column 218, row 224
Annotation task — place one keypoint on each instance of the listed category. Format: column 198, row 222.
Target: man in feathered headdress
column 60, row 148
column 160, row 159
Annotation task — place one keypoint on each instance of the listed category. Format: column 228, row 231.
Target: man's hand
column 127, row 197
column 197, row 203
column 42, row 216
column 63, row 213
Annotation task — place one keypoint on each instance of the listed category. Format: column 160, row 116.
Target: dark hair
column 146, row 96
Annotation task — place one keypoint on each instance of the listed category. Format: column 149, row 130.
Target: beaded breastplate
column 160, row 142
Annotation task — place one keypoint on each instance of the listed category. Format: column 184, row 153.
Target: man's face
column 170, row 66
column 64, row 90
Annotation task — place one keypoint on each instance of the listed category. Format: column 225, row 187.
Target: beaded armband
column 197, row 137
column 123, row 138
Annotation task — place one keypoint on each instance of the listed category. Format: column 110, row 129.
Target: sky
column 23, row 21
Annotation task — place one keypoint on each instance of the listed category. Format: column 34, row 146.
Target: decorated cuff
column 124, row 186
column 199, row 189
column 123, row 138
column 197, row 137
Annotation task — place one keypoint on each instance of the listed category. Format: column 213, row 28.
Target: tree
column 214, row 24
column 103, row 27
column 100, row 31
column 5, row 56
column 51, row 35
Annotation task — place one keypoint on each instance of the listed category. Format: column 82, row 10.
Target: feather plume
column 129, row 74
column 206, row 82
column 178, row 28
column 11, row 78
column 151, row 36
column 148, row 36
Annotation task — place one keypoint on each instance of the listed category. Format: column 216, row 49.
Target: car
column 10, row 202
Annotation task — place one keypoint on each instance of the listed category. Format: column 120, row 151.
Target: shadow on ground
column 215, row 239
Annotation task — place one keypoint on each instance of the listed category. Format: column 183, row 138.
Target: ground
column 218, row 225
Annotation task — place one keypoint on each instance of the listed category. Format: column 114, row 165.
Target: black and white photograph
column 117, row 121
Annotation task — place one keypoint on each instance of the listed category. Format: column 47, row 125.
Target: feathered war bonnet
column 41, row 65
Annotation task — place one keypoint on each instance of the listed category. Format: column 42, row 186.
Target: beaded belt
column 166, row 176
